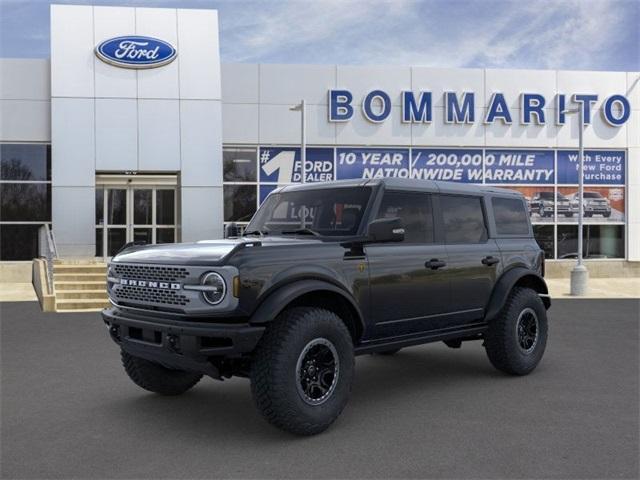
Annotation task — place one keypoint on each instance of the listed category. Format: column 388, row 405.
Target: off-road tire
column 156, row 378
column 501, row 342
column 606, row 214
column 275, row 375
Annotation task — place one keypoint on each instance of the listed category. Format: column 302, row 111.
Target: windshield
column 549, row 196
column 592, row 195
column 335, row 212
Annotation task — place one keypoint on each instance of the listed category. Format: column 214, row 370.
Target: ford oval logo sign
column 134, row 51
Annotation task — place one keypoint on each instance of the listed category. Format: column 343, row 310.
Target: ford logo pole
column 136, row 52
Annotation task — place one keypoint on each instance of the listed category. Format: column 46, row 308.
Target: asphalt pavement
column 69, row 411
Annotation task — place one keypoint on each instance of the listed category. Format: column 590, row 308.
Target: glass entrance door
column 134, row 213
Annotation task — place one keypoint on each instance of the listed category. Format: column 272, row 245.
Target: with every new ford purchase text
column 324, row 272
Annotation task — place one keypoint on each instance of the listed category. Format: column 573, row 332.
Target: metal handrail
column 47, row 248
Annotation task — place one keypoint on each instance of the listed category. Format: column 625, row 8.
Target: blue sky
column 546, row 34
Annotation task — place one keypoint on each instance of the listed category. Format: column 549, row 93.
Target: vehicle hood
column 205, row 252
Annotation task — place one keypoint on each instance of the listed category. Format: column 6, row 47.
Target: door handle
column 489, row 261
column 435, row 264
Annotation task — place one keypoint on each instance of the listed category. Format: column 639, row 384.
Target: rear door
column 408, row 282
column 474, row 258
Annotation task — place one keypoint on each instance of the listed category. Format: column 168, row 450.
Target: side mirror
column 385, row 230
column 231, row 230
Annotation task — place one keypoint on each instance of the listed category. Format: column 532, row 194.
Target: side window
column 414, row 209
column 511, row 217
column 463, row 219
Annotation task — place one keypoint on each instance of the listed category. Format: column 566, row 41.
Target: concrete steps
column 80, row 286
column 80, row 269
column 75, row 285
column 82, row 294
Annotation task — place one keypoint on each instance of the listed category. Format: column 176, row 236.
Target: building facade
column 106, row 154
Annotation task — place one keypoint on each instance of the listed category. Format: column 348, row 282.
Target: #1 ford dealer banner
column 283, row 165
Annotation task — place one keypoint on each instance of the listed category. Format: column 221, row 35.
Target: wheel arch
column 312, row 293
column 516, row 277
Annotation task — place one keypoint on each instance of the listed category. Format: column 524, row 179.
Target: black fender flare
column 505, row 284
column 277, row 300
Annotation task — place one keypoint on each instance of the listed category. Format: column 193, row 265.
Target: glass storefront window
column 599, row 241
column 116, row 238
column 165, row 207
column 25, row 162
column 239, row 164
column 99, row 243
column 117, row 207
column 165, row 235
column 18, row 242
column 25, row 202
column 239, row 202
column 99, row 206
column 544, row 237
column 142, row 206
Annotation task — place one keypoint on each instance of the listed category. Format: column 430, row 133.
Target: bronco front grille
column 151, row 272
column 129, row 293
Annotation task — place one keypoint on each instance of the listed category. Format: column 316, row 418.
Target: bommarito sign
column 460, row 108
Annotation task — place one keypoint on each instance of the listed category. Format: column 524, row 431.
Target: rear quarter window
column 511, row 216
column 463, row 219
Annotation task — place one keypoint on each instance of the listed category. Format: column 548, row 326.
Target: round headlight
column 215, row 288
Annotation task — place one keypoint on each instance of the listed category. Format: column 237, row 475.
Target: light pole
column 579, row 273
column 303, row 136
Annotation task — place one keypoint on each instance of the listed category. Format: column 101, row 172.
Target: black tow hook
column 114, row 331
column 174, row 344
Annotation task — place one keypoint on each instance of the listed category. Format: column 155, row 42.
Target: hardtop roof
column 407, row 184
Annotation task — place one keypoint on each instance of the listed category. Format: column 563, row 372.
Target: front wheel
column 156, row 378
column 517, row 337
column 302, row 370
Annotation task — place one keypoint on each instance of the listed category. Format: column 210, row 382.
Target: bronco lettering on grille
column 150, row 284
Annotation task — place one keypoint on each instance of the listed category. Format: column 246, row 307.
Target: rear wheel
column 158, row 379
column 517, row 337
column 302, row 370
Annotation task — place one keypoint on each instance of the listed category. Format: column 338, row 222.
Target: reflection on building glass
column 599, row 241
column 239, row 202
column 239, row 164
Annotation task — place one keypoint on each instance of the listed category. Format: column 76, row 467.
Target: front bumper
column 597, row 209
column 179, row 344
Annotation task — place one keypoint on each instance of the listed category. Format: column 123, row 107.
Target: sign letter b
column 340, row 109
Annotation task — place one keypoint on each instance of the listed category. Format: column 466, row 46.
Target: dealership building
column 106, row 151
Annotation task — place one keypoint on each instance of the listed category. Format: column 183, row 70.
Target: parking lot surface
column 68, row 410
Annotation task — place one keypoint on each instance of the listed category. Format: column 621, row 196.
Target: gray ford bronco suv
column 324, row 272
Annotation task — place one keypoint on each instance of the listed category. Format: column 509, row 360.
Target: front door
column 128, row 213
column 408, row 280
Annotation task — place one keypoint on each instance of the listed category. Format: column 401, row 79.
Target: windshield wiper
column 301, row 231
column 260, row 233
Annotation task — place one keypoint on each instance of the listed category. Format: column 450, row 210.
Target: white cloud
column 535, row 34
